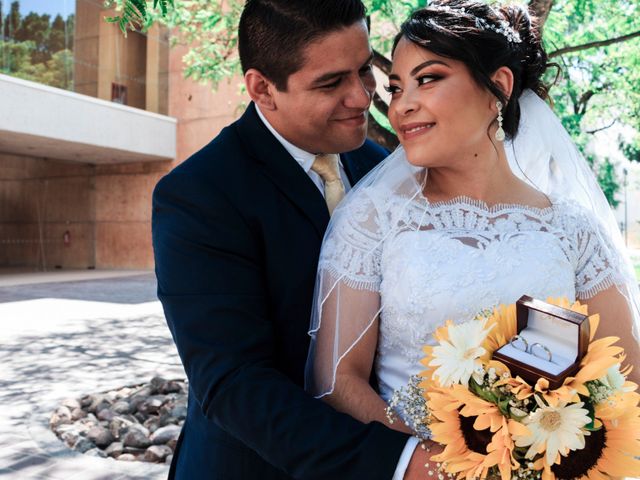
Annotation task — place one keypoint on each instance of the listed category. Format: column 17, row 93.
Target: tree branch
column 382, row 62
column 582, row 103
column 603, row 128
column 541, row 9
column 600, row 43
column 380, row 104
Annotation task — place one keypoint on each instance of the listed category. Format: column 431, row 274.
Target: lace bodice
column 436, row 261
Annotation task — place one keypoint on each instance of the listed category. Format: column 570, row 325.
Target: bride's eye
column 424, row 79
column 391, row 89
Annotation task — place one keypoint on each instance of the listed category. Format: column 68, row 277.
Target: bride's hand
column 421, row 466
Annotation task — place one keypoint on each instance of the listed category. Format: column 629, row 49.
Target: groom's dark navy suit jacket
column 237, row 230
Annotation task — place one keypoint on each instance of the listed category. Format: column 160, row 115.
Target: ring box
column 564, row 332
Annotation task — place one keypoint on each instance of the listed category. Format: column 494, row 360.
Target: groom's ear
column 260, row 89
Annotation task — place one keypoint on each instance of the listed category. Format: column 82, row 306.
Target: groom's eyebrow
column 331, row 75
column 417, row 68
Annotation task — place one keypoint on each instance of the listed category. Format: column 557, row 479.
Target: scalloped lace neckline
column 484, row 207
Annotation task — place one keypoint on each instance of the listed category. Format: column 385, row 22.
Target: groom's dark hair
column 273, row 34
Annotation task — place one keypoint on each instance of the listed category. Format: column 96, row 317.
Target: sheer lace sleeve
column 598, row 263
column 347, row 299
column 347, row 296
column 352, row 247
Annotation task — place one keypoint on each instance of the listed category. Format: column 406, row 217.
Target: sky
column 51, row 7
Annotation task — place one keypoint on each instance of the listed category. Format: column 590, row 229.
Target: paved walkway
column 64, row 339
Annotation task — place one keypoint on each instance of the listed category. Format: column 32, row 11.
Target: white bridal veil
column 389, row 201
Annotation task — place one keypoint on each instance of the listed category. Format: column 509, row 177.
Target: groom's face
column 325, row 106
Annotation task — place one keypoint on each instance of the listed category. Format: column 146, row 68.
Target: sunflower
column 620, row 454
column 457, row 457
column 504, row 325
column 475, row 434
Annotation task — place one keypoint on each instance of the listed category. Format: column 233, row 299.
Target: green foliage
column 35, row 48
column 630, row 149
column 608, row 181
column 599, row 86
column 137, row 14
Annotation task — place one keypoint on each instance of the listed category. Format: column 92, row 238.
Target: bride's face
column 441, row 115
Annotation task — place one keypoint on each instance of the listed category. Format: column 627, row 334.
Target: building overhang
column 42, row 121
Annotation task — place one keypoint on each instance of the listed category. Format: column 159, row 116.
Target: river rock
column 115, row 449
column 100, row 436
column 135, row 438
column 165, row 434
column 83, row 445
column 157, row 453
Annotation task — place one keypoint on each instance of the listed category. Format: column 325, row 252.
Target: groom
column 237, row 230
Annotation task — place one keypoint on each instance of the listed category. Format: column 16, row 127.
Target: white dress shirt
column 305, row 160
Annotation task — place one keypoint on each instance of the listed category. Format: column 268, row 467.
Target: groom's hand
column 421, row 467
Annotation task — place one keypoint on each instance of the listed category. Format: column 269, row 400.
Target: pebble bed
column 138, row 423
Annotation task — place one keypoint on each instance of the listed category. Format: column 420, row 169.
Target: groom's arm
column 211, row 284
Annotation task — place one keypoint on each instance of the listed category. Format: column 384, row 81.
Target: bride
column 456, row 220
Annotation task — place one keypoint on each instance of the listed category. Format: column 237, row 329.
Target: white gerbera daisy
column 458, row 357
column 554, row 430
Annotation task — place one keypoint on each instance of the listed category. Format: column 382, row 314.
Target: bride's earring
column 500, row 131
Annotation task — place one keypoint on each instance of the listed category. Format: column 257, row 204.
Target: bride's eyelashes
column 428, row 78
column 391, row 89
column 421, row 79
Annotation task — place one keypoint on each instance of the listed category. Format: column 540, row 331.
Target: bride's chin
column 417, row 158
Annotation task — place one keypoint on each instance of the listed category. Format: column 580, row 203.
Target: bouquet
column 494, row 424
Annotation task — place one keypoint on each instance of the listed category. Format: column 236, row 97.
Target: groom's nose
column 360, row 92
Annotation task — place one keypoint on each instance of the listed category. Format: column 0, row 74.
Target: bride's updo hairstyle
column 484, row 38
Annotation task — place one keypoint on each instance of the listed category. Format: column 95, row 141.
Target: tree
column 12, row 20
column 595, row 42
column 608, row 182
column 35, row 48
column 58, row 35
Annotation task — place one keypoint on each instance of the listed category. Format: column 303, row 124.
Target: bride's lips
column 411, row 130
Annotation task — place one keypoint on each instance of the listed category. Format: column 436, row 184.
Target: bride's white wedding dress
column 394, row 261
column 451, row 260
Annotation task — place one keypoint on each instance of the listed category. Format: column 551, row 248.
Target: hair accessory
column 500, row 131
column 503, row 28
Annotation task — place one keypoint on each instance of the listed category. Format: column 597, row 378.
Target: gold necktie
column 326, row 165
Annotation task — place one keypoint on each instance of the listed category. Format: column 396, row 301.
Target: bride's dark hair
column 465, row 30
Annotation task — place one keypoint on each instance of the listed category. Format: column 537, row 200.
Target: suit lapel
column 282, row 169
column 351, row 168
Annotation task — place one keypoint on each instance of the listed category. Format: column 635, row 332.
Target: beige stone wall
column 123, row 214
column 201, row 111
column 106, row 210
column 40, row 200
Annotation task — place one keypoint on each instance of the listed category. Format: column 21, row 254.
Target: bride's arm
column 616, row 320
column 349, row 318
column 353, row 393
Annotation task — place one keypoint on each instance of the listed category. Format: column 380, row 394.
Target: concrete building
column 78, row 164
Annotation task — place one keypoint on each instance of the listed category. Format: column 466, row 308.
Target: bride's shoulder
column 575, row 217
